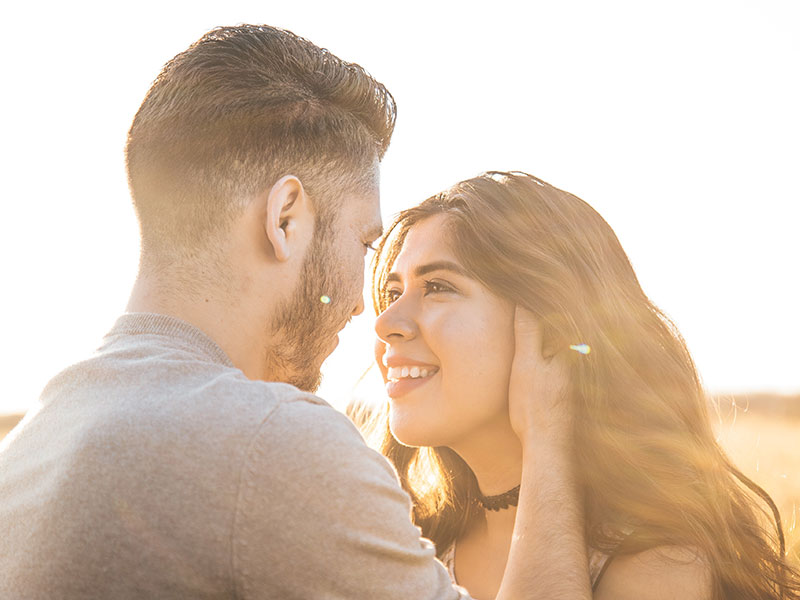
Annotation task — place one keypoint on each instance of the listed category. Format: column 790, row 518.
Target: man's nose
column 359, row 307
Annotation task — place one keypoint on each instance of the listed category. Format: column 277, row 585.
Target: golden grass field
column 762, row 436
column 763, row 440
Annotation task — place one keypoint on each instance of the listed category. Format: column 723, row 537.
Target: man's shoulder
column 280, row 412
column 303, row 416
column 303, row 432
column 165, row 380
column 167, row 397
column 231, row 397
column 229, row 389
column 230, row 408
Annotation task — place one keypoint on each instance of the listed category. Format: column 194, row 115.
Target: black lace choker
column 499, row 502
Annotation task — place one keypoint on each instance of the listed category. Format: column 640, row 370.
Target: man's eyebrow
column 439, row 265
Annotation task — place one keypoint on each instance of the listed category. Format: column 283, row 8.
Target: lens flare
column 581, row 348
column 325, row 299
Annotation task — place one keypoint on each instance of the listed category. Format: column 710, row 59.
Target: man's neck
column 218, row 315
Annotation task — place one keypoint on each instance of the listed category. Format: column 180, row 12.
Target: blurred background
column 677, row 121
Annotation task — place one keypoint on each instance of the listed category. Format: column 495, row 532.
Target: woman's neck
column 495, row 456
column 481, row 554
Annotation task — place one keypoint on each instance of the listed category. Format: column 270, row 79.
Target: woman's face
column 447, row 346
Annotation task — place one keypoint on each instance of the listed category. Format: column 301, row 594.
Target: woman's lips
column 400, row 387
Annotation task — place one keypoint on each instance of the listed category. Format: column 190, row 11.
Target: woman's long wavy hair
column 651, row 471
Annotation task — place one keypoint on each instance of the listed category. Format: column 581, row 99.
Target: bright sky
column 678, row 122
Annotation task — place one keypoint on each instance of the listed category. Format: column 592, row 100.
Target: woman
column 667, row 514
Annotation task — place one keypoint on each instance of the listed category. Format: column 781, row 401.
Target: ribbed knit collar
column 157, row 324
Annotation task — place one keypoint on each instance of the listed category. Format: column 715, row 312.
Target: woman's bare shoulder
column 663, row 573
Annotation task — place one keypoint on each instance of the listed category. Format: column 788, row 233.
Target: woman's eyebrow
column 439, row 265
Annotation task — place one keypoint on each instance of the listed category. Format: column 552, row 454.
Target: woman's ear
column 287, row 209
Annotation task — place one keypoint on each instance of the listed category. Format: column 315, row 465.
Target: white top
column 597, row 561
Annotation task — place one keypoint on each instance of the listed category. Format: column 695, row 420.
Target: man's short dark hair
column 237, row 110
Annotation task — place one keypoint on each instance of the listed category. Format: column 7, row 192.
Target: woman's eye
column 437, row 287
column 391, row 295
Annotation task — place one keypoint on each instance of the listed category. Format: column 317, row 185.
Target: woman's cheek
column 480, row 376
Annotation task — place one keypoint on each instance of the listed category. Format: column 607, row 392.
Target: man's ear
column 287, row 204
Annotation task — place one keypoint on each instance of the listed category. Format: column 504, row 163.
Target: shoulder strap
column 602, row 572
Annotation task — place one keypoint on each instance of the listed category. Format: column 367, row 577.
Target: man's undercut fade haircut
column 240, row 108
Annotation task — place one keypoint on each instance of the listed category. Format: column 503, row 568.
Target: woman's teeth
column 397, row 373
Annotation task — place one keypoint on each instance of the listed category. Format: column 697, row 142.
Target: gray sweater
column 156, row 469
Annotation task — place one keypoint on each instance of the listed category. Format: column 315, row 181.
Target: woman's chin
column 414, row 432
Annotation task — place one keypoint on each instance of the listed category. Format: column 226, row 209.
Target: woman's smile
column 399, row 384
column 405, row 374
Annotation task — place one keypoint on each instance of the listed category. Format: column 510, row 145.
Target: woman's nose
column 396, row 323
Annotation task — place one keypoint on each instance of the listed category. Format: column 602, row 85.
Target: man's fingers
column 538, row 384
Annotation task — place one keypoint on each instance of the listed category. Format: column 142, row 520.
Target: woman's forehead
column 426, row 241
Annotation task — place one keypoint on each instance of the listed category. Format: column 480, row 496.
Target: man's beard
column 304, row 326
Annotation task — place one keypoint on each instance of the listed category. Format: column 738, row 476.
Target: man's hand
column 547, row 559
column 538, row 405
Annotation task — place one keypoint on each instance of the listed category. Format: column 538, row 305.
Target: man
column 183, row 460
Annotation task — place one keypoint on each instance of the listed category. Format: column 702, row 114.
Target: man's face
column 329, row 292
